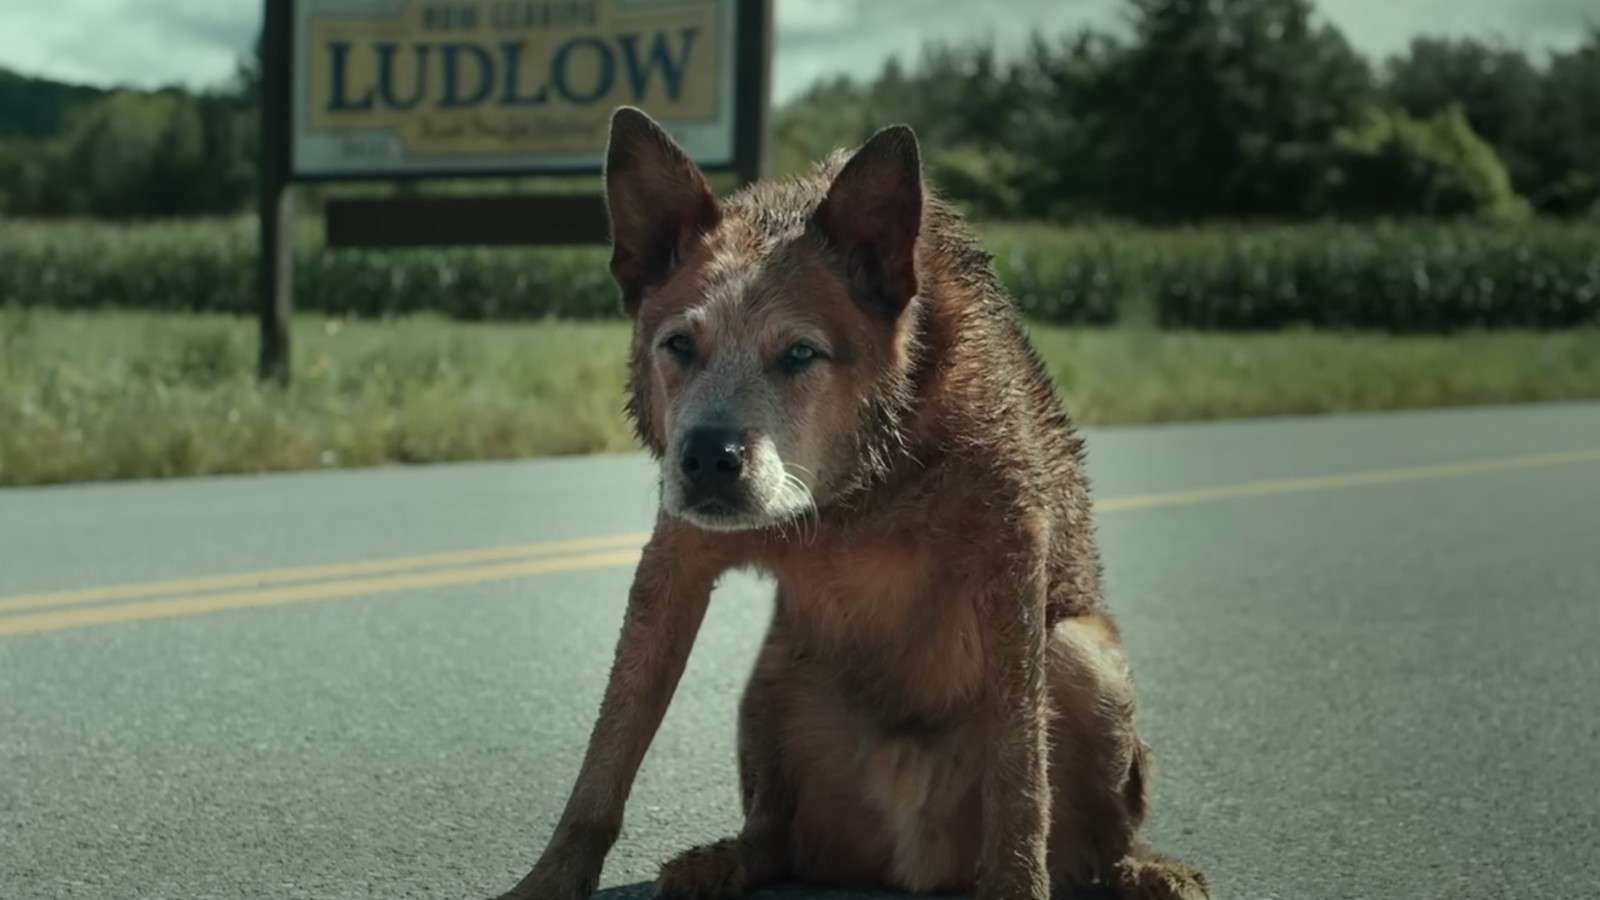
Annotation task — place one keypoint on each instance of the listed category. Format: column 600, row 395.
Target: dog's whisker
column 799, row 494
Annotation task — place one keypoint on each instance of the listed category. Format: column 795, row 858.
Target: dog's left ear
column 659, row 203
column 872, row 215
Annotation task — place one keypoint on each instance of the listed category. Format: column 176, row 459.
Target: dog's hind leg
column 1095, row 766
column 1145, row 874
column 759, row 856
column 1100, row 772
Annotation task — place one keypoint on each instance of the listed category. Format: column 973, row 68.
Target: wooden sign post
column 275, row 240
column 405, row 90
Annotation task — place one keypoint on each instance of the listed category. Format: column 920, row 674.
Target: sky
column 150, row 43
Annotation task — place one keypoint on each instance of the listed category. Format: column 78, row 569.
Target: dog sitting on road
column 841, row 396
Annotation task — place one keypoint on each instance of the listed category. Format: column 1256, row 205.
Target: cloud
column 855, row 37
column 1382, row 29
column 150, row 43
column 128, row 42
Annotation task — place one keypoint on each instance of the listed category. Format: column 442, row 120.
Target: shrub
column 1396, row 277
column 1392, row 163
column 210, row 267
column 1403, row 278
column 983, row 181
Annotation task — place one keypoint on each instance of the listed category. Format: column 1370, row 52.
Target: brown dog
column 842, row 396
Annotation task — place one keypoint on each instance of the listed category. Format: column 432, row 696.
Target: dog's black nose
column 713, row 457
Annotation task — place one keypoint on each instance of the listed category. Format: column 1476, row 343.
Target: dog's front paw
column 555, row 881
column 1159, row 878
column 1019, row 888
column 712, row 872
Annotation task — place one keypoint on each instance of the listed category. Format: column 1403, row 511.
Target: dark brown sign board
column 402, row 90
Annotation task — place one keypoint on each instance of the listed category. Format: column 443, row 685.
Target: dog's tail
column 1145, row 874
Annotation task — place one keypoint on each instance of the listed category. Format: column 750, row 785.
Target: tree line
column 1199, row 109
column 74, row 151
column 1232, row 109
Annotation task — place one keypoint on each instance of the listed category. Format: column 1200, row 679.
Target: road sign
column 408, row 89
column 387, row 88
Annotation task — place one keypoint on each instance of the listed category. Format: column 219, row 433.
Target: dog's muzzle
column 713, row 464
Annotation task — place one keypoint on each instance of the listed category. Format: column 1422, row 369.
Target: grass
column 108, row 395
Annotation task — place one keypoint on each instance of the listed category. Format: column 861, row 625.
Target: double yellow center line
column 58, row 610
column 37, row 613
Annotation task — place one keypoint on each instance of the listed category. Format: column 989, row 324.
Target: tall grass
column 138, row 395
column 142, row 395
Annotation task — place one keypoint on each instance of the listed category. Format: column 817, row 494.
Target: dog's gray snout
column 713, row 457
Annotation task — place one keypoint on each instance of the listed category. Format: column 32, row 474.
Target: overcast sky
column 148, row 43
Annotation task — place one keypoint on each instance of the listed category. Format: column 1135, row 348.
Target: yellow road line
column 1348, row 480
column 304, row 593
column 312, row 573
column 488, row 564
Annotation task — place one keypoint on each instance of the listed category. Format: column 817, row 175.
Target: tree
column 1495, row 86
column 1568, row 153
column 1228, row 107
column 961, row 98
column 831, row 114
column 1064, row 127
column 142, row 154
column 248, row 74
column 38, row 107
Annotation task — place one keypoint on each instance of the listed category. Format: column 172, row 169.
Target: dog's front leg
column 665, row 608
column 1016, row 785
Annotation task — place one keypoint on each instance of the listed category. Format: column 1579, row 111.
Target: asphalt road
column 1366, row 648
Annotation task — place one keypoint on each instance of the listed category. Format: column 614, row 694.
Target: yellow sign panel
column 398, row 86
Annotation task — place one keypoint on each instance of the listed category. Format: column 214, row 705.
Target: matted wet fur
column 841, row 396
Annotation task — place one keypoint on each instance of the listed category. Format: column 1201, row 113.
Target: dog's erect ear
column 659, row 202
column 872, row 215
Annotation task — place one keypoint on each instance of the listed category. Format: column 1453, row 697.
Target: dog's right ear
column 659, row 202
column 873, row 213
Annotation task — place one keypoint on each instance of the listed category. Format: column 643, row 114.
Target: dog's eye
column 680, row 345
column 799, row 356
